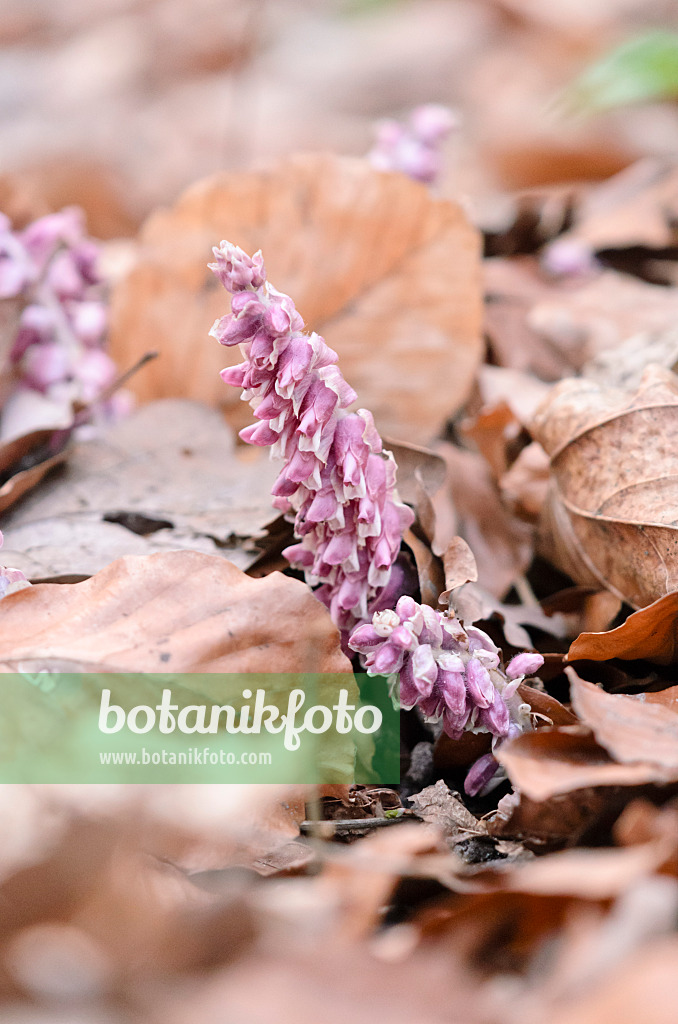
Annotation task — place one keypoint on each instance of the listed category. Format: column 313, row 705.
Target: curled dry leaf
column 179, row 611
column 588, row 874
column 625, row 741
column 417, row 467
column 547, row 707
column 438, row 805
column 493, row 430
column 167, row 477
column 422, row 483
column 637, row 207
column 387, row 274
column 632, row 730
column 429, row 569
column 585, row 609
column 459, row 565
column 650, row 633
column 24, row 462
column 554, row 823
column 614, row 471
column 552, row 762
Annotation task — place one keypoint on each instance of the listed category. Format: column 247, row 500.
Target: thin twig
column 347, row 825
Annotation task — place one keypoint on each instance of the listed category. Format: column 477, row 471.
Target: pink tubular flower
column 414, row 147
column 452, row 673
column 337, row 480
column 570, row 258
column 58, row 354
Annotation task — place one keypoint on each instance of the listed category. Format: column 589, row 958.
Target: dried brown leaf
column 552, row 762
column 614, row 470
column 166, row 477
column 179, row 611
column 524, row 487
column 554, row 823
column 417, row 467
column 438, row 805
column 543, row 704
column 421, row 479
column 587, row 874
column 429, row 569
column 553, row 329
column 501, row 543
column 651, row 633
column 387, row 274
column 460, row 566
column 492, row 430
column 632, row 730
column 638, row 206
column 24, row 461
column 585, row 609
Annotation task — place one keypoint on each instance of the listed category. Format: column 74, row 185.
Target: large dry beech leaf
column 179, row 611
column 388, row 275
column 166, row 477
column 613, row 509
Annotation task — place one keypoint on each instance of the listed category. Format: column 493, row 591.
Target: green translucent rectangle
column 187, row 728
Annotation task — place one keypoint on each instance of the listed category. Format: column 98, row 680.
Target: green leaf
column 644, row 68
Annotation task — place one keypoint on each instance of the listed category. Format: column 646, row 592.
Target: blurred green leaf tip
column 643, row 68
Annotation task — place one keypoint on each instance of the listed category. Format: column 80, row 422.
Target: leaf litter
column 167, row 477
column 552, row 896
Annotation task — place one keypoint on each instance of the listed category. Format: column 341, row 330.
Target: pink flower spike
column 449, row 675
column 345, row 507
column 433, row 122
column 414, row 148
column 236, row 270
column 58, row 349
